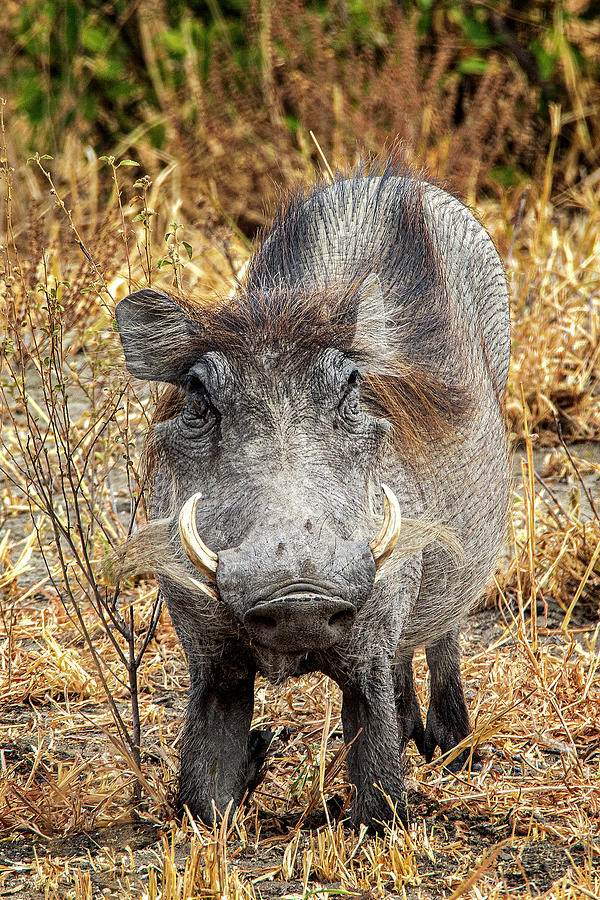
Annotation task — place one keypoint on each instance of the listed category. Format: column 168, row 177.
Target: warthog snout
column 300, row 622
column 299, row 617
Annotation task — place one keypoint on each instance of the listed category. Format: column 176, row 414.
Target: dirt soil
column 119, row 858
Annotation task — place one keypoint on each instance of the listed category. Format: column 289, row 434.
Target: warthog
column 329, row 474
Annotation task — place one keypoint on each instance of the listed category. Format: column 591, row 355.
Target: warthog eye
column 198, row 412
column 349, row 407
column 353, row 378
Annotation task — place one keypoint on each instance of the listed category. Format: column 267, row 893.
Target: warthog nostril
column 265, row 622
column 341, row 618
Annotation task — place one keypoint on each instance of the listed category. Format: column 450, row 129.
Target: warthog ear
column 157, row 336
column 370, row 337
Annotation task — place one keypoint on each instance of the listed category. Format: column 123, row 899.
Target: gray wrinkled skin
column 280, row 437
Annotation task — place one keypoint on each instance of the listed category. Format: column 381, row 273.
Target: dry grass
column 551, row 253
column 526, row 825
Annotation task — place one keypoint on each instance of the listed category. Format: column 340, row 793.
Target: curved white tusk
column 205, row 589
column 201, row 557
column 384, row 543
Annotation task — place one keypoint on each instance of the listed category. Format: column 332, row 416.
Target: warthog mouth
column 298, row 588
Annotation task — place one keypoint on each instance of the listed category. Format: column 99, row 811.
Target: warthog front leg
column 218, row 752
column 374, row 755
column 447, row 717
column 410, row 724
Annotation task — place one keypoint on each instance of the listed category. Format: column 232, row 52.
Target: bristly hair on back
column 303, row 287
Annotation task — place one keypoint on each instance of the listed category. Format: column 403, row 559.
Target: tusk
column 205, row 589
column 200, row 556
column 384, row 543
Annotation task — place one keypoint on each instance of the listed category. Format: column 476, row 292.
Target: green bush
column 467, row 86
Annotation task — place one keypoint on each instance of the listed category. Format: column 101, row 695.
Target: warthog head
column 268, row 462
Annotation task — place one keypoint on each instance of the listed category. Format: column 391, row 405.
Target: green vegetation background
column 231, row 88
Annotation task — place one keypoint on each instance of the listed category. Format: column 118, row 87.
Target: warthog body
column 368, row 346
